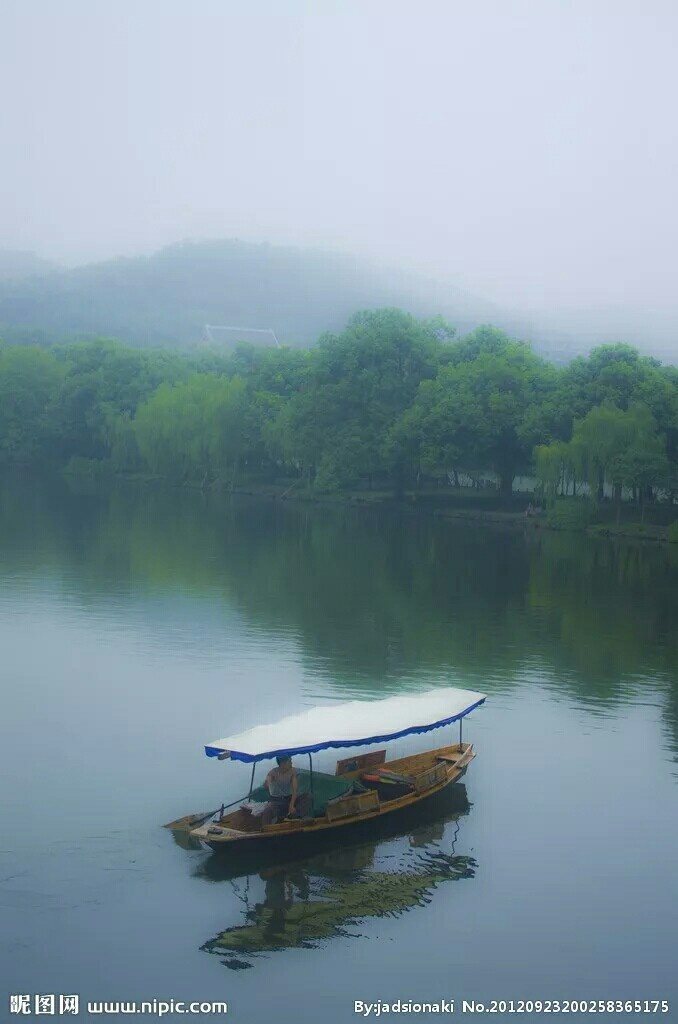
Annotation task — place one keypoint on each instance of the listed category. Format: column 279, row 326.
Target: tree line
column 391, row 402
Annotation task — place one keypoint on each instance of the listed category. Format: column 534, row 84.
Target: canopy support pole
column 310, row 765
column 254, row 765
column 460, row 747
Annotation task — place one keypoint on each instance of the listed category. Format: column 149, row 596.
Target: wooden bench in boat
column 356, row 803
column 352, row 765
column 430, row 778
column 388, row 776
column 420, row 772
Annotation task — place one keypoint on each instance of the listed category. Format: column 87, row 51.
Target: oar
column 191, row 821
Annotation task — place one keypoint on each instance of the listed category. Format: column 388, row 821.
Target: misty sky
column 529, row 149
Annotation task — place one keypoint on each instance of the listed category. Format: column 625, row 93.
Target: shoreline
column 496, row 517
column 416, row 504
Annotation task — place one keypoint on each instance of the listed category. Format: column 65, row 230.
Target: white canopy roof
column 352, row 724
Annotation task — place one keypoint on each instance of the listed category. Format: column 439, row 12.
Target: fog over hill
column 16, row 264
column 167, row 298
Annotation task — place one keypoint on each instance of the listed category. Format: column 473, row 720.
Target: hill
column 169, row 297
column 16, row 264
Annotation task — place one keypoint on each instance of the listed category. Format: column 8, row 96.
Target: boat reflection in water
column 379, row 871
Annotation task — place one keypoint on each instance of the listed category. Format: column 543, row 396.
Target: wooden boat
column 332, row 850
column 365, row 786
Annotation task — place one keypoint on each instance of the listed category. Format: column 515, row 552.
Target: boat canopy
column 355, row 723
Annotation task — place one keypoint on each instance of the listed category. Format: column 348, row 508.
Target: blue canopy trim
column 240, row 755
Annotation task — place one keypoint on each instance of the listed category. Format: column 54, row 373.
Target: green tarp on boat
column 325, row 788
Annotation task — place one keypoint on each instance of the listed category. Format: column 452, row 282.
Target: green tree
column 640, row 462
column 359, row 383
column 608, row 444
column 103, row 379
column 601, row 435
column 618, row 375
column 29, row 381
column 197, row 429
column 552, row 462
column 475, row 412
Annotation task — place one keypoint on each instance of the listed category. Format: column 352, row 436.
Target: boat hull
column 237, row 860
column 297, row 831
column 310, row 837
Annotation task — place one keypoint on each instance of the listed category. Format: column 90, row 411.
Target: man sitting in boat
column 285, row 800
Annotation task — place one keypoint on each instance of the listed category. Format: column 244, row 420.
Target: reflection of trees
column 612, row 608
column 325, row 894
column 373, row 598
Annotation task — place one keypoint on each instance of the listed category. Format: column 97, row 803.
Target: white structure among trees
column 215, row 334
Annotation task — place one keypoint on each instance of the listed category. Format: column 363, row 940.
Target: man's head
column 284, row 761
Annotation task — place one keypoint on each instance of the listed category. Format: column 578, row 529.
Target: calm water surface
column 136, row 625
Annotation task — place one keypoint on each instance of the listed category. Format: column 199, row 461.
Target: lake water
column 136, row 625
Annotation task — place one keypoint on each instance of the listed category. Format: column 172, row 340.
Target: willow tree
column 194, row 430
column 622, row 447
